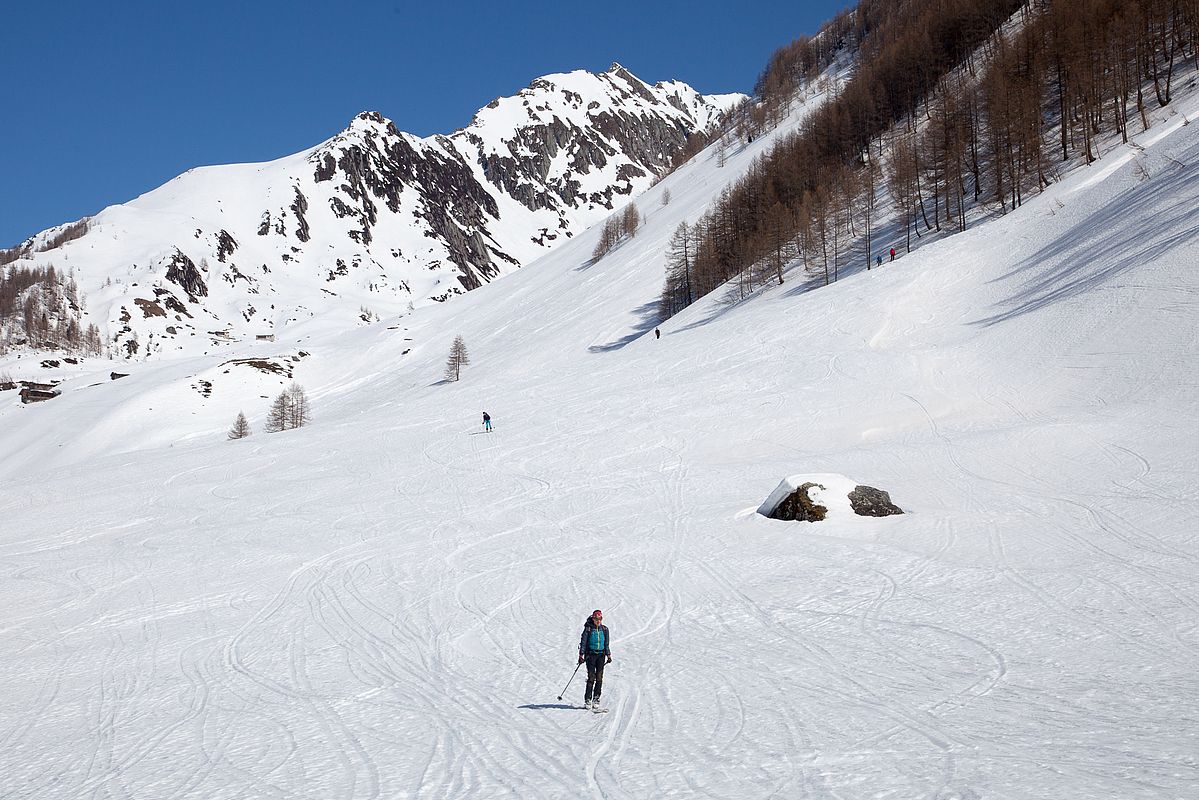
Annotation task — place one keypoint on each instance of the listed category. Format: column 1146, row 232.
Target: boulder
column 815, row 498
column 799, row 506
column 867, row 501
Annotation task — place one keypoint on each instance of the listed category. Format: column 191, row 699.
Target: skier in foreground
column 594, row 652
column 486, row 422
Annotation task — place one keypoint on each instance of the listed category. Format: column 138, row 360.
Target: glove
column 609, row 661
column 580, row 659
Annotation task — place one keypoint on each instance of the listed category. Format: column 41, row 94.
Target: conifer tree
column 289, row 410
column 297, row 407
column 678, row 293
column 458, row 359
column 241, row 428
column 609, row 237
column 276, row 418
column 630, row 220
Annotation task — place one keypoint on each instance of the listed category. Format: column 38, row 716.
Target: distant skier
column 486, row 422
column 892, row 253
column 657, row 333
column 594, row 652
column 878, row 261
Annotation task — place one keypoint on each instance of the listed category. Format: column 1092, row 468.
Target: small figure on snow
column 892, row 253
column 878, row 261
column 594, row 652
column 486, row 422
column 657, row 333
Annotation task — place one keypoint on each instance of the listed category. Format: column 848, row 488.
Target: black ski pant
column 595, row 676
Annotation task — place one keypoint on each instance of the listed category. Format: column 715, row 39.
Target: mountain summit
column 374, row 219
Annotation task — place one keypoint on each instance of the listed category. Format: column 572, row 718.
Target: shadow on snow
column 1097, row 248
column 649, row 318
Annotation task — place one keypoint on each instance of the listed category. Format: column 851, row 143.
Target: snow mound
column 828, row 491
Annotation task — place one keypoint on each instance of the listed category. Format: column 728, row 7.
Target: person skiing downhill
column 486, row 422
column 595, row 653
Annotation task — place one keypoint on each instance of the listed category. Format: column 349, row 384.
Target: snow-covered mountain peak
column 374, row 218
column 371, row 122
column 580, row 95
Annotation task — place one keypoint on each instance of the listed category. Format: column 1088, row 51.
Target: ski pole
column 572, row 677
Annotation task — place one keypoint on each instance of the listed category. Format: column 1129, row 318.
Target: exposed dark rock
column 32, row 392
column 149, row 308
column 799, row 507
column 116, row 375
column 182, row 271
column 299, row 207
column 867, row 501
column 226, row 244
column 175, row 304
column 626, row 172
column 342, row 269
column 262, row 365
column 234, row 274
column 340, row 209
column 325, row 168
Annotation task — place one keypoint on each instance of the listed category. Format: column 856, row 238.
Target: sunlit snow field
column 387, row 603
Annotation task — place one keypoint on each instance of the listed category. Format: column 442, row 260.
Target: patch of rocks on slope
column 815, row 498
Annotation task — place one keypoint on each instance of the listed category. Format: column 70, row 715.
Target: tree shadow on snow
column 1103, row 245
column 649, row 318
column 731, row 298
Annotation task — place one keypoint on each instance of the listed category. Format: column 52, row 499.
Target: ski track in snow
column 386, row 603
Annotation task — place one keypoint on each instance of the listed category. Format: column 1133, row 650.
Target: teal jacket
column 585, row 640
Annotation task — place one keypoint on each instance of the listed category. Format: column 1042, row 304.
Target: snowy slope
column 386, row 603
column 374, row 220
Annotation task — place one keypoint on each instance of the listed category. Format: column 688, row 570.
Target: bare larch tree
column 458, row 359
column 241, row 428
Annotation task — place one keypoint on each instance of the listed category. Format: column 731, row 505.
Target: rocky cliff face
column 374, row 217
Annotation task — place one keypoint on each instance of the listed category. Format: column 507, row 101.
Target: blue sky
column 104, row 101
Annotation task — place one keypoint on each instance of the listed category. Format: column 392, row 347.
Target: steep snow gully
column 385, row 604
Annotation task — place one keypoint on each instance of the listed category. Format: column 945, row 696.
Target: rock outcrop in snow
column 867, row 501
column 813, row 498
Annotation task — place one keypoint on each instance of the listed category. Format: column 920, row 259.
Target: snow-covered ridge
column 374, row 220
